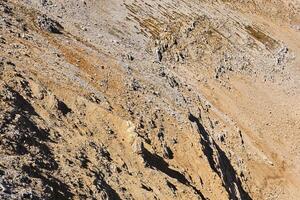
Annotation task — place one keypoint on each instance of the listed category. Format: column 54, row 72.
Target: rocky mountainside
column 152, row 99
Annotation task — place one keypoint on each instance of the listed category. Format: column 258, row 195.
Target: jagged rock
column 282, row 53
column 159, row 55
column 172, row 81
column 167, row 152
column 130, row 57
column 135, row 85
column 138, row 146
column 49, row 25
column 82, row 157
column 46, row 2
column 7, row 10
column 221, row 137
column 160, row 134
column 2, row 40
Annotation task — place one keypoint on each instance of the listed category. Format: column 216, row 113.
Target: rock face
column 160, row 99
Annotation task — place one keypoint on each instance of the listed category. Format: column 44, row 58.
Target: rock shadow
column 154, row 161
column 222, row 166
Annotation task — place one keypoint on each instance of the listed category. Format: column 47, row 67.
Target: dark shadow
column 171, row 186
column 21, row 104
column 156, row 162
column 223, row 167
column 147, row 188
column 27, row 134
column 53, row 188
column 63, row 107
column 26, row 137
column 101, row 184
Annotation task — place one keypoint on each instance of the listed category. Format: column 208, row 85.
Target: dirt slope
column 160, row 99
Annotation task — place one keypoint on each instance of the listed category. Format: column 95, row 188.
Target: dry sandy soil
column 152, row 99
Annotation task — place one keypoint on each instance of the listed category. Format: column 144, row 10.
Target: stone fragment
column 138, row 146
column 130, row 57
column 49, row 25
column 46, row 2
column 159, row 55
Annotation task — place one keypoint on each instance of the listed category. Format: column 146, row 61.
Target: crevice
column 222, row 165
column 156, row 162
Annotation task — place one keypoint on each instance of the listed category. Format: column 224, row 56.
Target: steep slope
column 149, row 99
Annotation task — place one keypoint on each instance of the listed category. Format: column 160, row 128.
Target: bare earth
column 152, row 99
